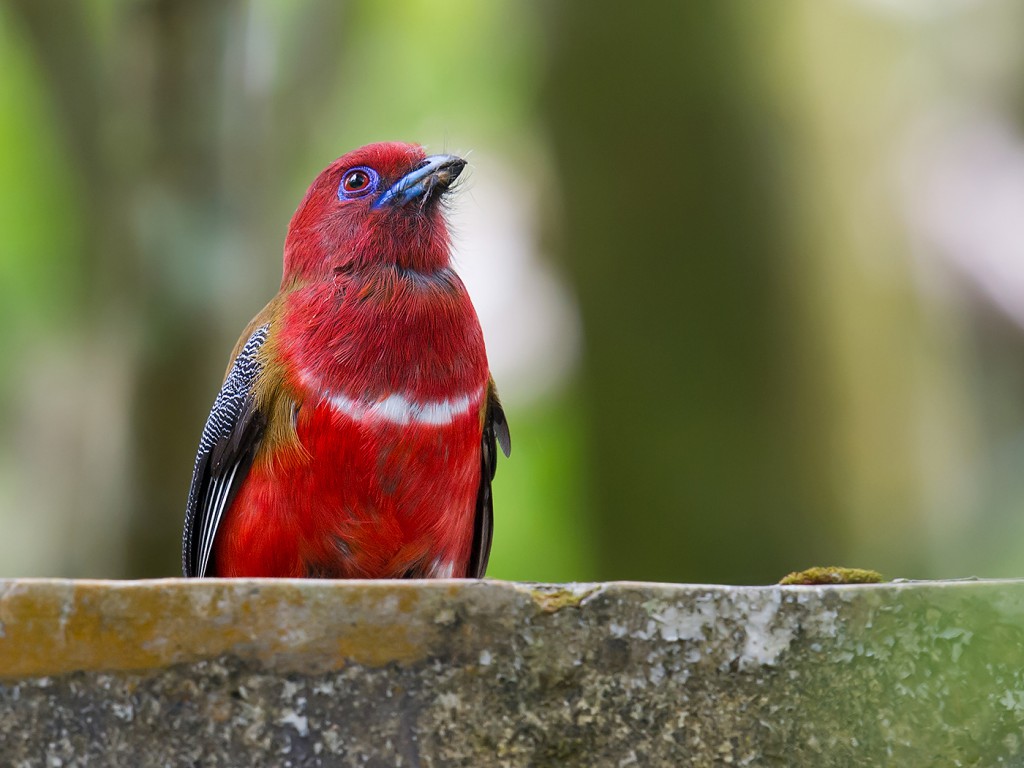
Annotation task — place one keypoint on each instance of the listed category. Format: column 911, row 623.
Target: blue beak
column 427, row 182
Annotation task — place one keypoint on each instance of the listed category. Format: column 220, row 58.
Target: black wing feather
column 226, row 448
column 495, row 433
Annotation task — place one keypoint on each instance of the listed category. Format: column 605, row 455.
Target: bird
column 355, row 434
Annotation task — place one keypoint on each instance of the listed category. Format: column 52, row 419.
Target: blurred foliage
column 781, row 365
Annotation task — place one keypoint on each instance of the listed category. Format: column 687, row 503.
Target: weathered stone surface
column 307, row 673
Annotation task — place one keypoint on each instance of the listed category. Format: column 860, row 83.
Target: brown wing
column 495, row 433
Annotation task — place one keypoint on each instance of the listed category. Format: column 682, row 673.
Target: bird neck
column 417, row 243
column 373, row 332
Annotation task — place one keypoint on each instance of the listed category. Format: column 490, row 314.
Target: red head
column 376, row 206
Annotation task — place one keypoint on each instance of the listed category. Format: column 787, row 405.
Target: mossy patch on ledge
column 831, row 575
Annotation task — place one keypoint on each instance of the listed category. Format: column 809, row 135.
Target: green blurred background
column 751, row 274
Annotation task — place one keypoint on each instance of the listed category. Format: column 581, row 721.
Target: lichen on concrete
column 468, row 673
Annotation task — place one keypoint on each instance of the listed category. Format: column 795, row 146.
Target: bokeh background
column 751, row 274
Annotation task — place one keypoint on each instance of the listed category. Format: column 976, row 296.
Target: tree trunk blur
column 172, row 133
column 702, row 443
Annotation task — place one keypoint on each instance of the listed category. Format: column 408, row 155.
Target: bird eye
column 357, row 182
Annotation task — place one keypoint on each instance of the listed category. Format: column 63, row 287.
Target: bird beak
column 427, row 182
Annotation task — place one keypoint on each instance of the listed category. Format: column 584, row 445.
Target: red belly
column 373, row 499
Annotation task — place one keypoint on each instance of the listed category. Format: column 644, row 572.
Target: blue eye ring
column 357, row 182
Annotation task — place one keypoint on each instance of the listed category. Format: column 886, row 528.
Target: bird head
column 375, row 206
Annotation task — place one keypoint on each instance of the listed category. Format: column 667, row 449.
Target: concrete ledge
column 315, row 673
